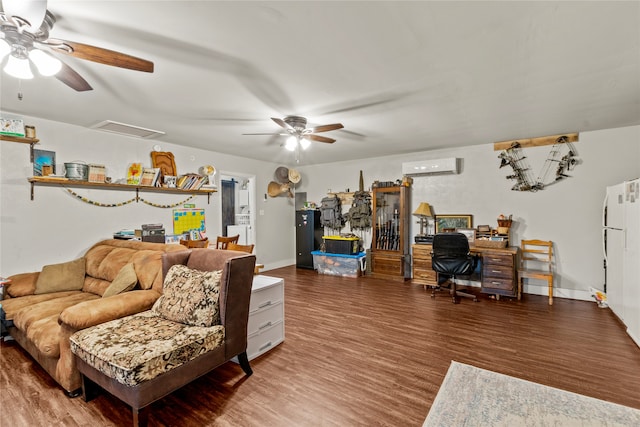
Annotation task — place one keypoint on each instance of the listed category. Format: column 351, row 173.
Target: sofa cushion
column 22, row 284
column 12, row 306
column 44, row 333
column 190, row 296
column 66, row 276
column 142, row 346
column 125, row 281
column 32, row 313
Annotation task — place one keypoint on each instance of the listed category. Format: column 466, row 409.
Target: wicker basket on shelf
column 497, row 244
column 503, row 226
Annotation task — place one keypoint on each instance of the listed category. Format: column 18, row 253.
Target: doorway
column 237, row 206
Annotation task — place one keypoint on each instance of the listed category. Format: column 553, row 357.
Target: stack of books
column 191, row 181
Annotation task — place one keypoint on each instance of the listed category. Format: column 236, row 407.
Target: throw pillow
column 125, row 281
column 66, row 276
column 190, row 296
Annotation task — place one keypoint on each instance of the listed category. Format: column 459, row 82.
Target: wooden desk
column 499, row 273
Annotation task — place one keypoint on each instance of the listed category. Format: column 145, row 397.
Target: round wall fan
column 296, row 126
column 26, row 24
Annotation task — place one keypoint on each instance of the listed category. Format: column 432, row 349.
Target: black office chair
column 451, row 258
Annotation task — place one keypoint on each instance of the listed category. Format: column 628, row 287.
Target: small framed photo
column 469, row 232
column 452, row 222
column 170, row 181
column 44, row 162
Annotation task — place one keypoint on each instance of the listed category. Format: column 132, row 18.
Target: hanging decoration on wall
column 286, row 180
column 126, row 202
column 563, row 156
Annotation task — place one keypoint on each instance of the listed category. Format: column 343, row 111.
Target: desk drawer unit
column 423, row 273
column 265, row 329
column 499, row 274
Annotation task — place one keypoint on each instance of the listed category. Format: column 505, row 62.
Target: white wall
column 57, row 227
column 568, row 213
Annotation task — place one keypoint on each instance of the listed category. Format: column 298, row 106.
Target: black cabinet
column 308, row 236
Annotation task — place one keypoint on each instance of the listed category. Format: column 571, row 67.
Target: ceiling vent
column 430, row 167
column 125, row 129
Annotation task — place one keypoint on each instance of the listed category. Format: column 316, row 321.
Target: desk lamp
column 423, row 212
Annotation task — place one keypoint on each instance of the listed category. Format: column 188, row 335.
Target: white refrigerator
column 243, row 231
column 621, row 244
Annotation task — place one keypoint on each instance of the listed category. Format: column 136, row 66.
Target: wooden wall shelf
column 30, row 141
column 19, row 139
column 37, row 180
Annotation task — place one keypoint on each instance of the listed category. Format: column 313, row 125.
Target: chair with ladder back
column 223, row 241
column 536, row 262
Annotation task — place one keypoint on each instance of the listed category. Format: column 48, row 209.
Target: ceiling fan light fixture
column 18, row 68
column 47, row 64
column 5, row 49
column 291, row 143
column 305, row 143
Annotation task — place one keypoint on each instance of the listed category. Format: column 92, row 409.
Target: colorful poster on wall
column 185, row 220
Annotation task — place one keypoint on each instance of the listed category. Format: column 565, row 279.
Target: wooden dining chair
column 222, row 241
column 245, row 248
column 195, row 243
column 242, row 248
column 536, row 262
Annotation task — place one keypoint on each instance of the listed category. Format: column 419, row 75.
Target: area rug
column 471, row 396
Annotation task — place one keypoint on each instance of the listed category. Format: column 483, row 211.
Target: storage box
column 339, row 264
column 155, row 235
column 341, row 245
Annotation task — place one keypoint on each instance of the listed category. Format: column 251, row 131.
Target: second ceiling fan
column 25, row 26
column 296, row 126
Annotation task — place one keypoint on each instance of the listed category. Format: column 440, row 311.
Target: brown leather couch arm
column 22, row 284
column 91, row 313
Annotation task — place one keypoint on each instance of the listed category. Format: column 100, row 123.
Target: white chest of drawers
column 265, row 329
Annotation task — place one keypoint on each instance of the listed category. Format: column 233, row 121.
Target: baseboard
column 577, row 294
column 278, row 264
column 582, row 295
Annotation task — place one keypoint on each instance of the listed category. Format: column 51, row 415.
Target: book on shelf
column 97, row 173
column 149, row 177
column 191, row 181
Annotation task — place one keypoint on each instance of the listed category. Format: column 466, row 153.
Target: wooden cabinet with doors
column 390, row 256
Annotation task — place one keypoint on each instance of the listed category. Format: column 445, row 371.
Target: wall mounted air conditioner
column 429, row 167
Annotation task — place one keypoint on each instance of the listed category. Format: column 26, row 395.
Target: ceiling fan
column 296, row 126
column 25, row 26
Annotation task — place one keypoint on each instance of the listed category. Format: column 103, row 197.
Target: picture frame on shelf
column 149, row 177
column 134, row 173
column 165, row 161
column 453, row 222
column 44, row 162
column 470, row 233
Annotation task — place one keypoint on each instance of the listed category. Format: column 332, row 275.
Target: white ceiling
column 401, row 76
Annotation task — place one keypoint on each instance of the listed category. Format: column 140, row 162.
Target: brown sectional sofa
column 42, row 321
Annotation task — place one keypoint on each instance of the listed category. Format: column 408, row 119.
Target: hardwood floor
column 362, row 352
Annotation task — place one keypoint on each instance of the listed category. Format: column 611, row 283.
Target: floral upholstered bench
column 194, row 327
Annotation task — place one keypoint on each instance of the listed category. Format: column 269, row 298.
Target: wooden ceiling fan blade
column 282, row 134
column 319, row 138
column 327, row 128
column 281, row 123
column 71, row 78
column 100, row 55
